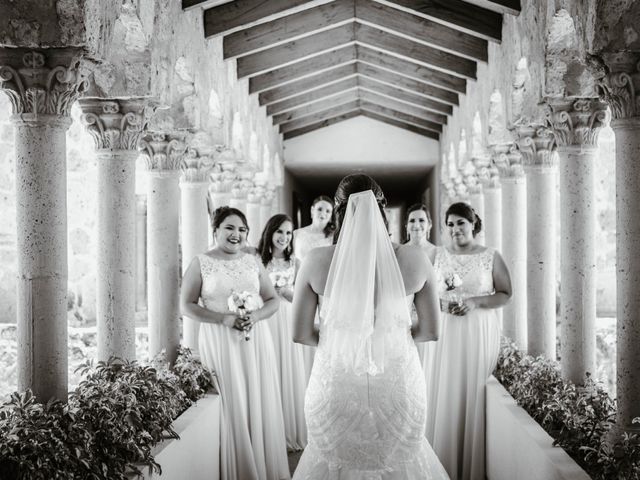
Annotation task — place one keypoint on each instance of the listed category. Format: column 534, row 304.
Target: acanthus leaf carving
column 578, row 122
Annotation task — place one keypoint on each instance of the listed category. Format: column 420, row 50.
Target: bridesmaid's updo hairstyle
column 223, row 212
column 465, row 210
column 354, row 183
column 265, row 247
column 330, row 227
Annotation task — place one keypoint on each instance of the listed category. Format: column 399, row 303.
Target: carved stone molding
column 536, row 144
column 196, row 165
column 116, row 124
column 163, row 152
column 621, row 87
column 576, row 123
column 508, row 161
column 41, row 82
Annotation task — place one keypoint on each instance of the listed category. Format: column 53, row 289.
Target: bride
column 366, row 401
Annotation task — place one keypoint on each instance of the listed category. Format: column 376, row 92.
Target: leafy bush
column 110, row 424
column 579, row 418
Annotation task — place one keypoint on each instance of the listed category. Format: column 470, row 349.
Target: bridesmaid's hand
column 464, row 307
column 233, row 321
column 246, row 323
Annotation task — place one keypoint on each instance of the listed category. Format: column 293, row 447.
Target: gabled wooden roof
column 316, row 63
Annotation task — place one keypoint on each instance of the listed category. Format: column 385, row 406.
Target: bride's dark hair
column 354, row 183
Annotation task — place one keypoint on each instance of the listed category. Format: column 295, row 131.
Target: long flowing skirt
column 252, row 443
column 364, row 427
column 463, row 358
column 291, row 374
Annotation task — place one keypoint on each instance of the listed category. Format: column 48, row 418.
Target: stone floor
column 294, row 458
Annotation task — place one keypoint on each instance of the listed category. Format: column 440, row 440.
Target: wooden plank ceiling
column 316, row 63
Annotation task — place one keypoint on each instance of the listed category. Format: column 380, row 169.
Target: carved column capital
column 163, row 151
column 620, row 88
column 116, row 124
column 197, row 165
column 577, row 122
column 41, row 82
column 508, row 161
column 536, row 144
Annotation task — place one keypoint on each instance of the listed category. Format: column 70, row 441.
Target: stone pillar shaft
column 621, row 89
column 116, row 126
column 514, row 250
column 576, row 124
column 493, row 217
column 535, row 144
column 164, row 154
column 41, row 85
column 141, row 253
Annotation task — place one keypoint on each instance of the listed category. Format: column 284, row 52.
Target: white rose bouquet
column 244, row 303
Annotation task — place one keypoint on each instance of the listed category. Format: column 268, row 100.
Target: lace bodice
column 221, row 277
column 305, row 241
column 474, row 270
column 281, row 272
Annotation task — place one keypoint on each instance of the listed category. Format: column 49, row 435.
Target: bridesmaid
column 252, row 440
column 418, row 227
column 276, row 253
column 473, row 283
column 318, row 234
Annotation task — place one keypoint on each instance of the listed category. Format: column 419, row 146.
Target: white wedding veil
column 365, row 312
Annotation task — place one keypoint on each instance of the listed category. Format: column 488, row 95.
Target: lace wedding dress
column 252, row 442
column 289, row 360
column 365, row 403
column 463, row 359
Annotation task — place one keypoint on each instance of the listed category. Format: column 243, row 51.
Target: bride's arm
column 305, row 303
column 428, row 308
column 190, row 294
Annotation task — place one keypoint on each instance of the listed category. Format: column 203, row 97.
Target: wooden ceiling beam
column 411, row 69
column 506, row 7
column 229, row 16
column 280, row 55
column 301, row 69
column 319, row 116
column 379, row 39
column 401, row 116
column 287, row 28
column 404, row 96
column 397, row 123
column 457, row 14
column 324, row 123
column 371, row 97
column 308, row 83
column 387, row 76
column 312, row 96
column 324, row 104
column 422, row 30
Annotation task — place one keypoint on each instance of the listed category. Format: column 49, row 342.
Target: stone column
column 164, row 155
column 514, row 241
column 576, row 124
column 194, row 186
column 536, row 144
column 253, row 214
column 141, row 253
column 265, row 207
column 476, row 200
column 239, row 193
column 41, row 85
column 116, row 126
column 490, row 179
column 621, row 90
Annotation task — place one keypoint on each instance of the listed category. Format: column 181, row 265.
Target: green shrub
column 579, row 418
column 109, row 425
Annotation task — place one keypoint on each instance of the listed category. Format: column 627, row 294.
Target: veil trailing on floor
column 365, row 308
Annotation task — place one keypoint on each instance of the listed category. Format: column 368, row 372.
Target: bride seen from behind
column 365, row 405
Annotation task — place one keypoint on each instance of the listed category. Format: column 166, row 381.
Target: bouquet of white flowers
column 280, row 279
column 451, row 282
column 244, row 303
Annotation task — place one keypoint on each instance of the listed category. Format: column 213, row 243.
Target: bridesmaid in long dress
column 305, row 239
column 276, row 253
column 473, row 283
column 418, row 227
column 252, row 440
